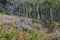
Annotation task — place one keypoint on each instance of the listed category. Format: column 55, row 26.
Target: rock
column 18, row 22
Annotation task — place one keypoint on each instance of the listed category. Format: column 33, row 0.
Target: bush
column 2, row 9
column 53, row 25
column 33, row 36
column 9, row 35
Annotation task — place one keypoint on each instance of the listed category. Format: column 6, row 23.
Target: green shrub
column 53, row 24
column 9, row 35
column 2, row 9
column 3, row 38
column 43, row 18
column 33, row 36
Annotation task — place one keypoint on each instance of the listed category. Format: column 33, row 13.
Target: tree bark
column 51, row 14
column 38, row 11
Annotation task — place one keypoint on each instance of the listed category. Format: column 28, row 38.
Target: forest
column 46, row 11
column 33, row 8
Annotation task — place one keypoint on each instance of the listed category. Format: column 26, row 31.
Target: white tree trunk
column 51, row 14
column 38, row 12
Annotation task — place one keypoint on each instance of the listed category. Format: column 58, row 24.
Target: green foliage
column 2, row 35
column 49, row 4
column 34, row 36
column 8, row 35
column 53, row 24
column 3, row 39
column 2, row 9
column 11, row 33
column 43, row 18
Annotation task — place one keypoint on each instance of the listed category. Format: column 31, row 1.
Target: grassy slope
column 9, row 32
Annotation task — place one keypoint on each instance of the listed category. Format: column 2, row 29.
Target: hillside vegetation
column 20, row 28
column 29, row 19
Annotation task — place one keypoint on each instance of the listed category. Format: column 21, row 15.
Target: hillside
column 24, row 29
column 17, row 21
column 29, row 19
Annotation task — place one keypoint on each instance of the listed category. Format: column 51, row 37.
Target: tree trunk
column 26, row 13
column 51, row 14
column 38, row 11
